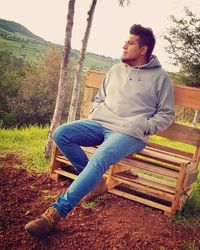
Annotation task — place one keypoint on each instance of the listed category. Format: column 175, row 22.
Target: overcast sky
column 47, row 18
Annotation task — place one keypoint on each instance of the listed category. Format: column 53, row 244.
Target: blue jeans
column 113, row 147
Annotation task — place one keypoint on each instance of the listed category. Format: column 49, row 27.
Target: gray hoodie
column 137, row 101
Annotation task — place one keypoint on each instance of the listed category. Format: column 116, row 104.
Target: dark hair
column 146, row 37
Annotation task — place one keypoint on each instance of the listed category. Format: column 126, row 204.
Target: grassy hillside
column 18, row 40
column 21, row 42
column 14, row 27
column 94, row 61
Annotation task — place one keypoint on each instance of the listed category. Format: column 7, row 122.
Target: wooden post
column 54, row 164
column 111, row 182
column 179, row 188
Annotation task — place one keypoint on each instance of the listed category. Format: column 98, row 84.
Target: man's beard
column 123, row 59
column 126, row 60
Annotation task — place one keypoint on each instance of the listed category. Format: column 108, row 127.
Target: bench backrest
column 184, row 96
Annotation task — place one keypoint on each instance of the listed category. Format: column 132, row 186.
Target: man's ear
column 144, row 49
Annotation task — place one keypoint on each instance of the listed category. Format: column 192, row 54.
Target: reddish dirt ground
column 112, row 223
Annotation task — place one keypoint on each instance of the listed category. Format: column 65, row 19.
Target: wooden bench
column 164, row 175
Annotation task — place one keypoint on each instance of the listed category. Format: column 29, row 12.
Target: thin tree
column 121, row 2
column 62, row 86
column 77, row 79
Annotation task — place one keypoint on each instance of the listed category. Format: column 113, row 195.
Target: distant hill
column 95, row 61
column 17, row 28
column 18, row 40
column 21, row 42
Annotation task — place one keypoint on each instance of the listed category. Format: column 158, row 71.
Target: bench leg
column 168, row 214
column 54, row 164
column 110, row 182
column 176, row 204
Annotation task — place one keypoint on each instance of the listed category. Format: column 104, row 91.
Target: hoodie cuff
column 151, row 128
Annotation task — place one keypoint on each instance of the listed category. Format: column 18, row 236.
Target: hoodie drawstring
column 138, row 75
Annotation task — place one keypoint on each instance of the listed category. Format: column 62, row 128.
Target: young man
column 134, row 101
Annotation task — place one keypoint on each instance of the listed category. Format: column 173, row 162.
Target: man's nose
column 125, row 46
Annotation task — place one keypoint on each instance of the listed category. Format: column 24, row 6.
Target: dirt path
column 113, row 223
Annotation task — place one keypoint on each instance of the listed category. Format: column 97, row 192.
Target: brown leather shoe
column 45, row 224
column 100, row 189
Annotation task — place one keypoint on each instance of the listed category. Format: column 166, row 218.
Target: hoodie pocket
column 133, row 125
column 138, row 125
column 102, row 113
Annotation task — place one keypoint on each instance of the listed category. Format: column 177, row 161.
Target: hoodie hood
column 153, row 63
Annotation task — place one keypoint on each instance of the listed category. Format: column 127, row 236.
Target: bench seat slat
column 159, row 155
column 168, row 150
column 152, row 179
column 171, row 159
column 141, row 200
column 62, row 159
column 157, row 170
column 65, row 173
column 148, row 182
column 146, row 189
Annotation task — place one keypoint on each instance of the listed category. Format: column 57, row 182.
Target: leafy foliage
column 11, row 75
column 28, row 93
column 184, row 40
column 39, row 89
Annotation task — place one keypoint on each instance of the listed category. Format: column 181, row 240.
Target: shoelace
column 49, row 216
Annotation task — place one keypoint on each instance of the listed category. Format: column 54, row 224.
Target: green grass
column 28, row 144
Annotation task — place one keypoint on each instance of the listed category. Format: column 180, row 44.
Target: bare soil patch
column 112, row 223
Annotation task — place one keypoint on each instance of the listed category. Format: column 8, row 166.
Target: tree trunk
column 62, row 86
column 77, row 79
column 196, row 118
